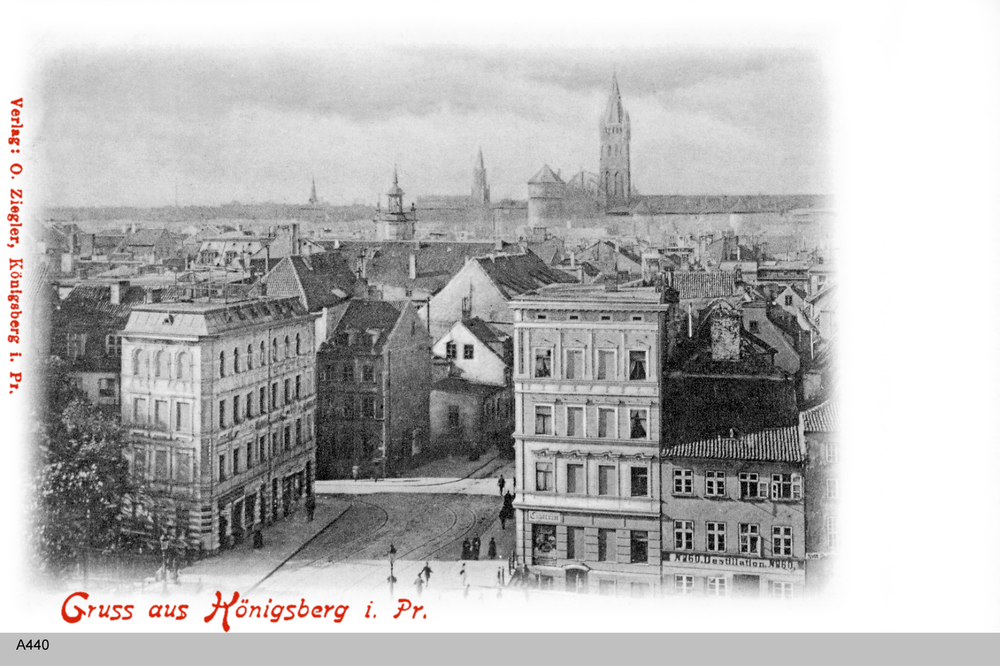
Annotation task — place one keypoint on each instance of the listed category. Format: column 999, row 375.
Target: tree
column 80, row 476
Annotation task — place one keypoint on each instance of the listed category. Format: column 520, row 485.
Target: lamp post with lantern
column 392, row 565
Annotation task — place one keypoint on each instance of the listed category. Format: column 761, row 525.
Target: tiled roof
column 319, row 281
column 88, row 298
column 545, row 175
column 772, row 445
column 388, row 262
column 697, row 284
column 824, row 417
column 487, row 334
column 177, row 318
column 517, row 274
column 363, row 315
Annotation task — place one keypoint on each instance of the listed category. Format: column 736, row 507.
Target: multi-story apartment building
column 733, row 515
column 219, row 400
column 587, row 367
column 820, row 425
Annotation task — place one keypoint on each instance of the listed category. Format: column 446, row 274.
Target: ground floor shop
column 725, row 576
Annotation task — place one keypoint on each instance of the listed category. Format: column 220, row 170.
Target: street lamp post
column 392, row 565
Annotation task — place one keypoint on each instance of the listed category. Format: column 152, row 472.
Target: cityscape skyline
column 208, row 128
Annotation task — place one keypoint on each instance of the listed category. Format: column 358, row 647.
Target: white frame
column 582, row 368
column 715, row 586
column 787, row 589
column 683, row 475
column 832, row 489
column 684, row 528
column 749, row 531
column 784, row 533
column 649, row 433
column 582, row 486
column 713, row 481
column 534, row 361
column 552, row 419
column 614, row 364
column 794, row 483
column 583, row 420
column 613, row 488
column 552, row 471
column 830, row 526
column 684, row 584
column 614, row 421
column 611, row 547
column 628, row 370
column 649, row 480
column 715, row 531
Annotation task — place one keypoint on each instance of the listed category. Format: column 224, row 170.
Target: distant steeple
column 615, row 176
column 480, row 188
column 313, row 199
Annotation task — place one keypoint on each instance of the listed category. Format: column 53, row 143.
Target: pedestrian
column 501, row 483
column 461, row 574
column 426, row 572
column 354, row 472
column 310, row 506
column 466, row 552
column 492, row 551
column 419, row 583
column 503, row 518
column 475, row 548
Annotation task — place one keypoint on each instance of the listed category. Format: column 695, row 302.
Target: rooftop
column 771, row 445
column 824, row 417
column 209, row 318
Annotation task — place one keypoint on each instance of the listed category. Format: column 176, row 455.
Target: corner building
column 587, row 437
column 218, row 399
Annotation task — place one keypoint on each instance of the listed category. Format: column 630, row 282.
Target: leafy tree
column 80, row 476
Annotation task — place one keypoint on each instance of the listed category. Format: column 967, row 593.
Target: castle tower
column 480, row 189
column 546, row 191
column 395, row 223
column 615, row 174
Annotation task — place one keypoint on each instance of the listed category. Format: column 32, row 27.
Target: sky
column 139, row 127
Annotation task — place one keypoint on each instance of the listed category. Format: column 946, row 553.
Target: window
column 543, row 420
column 782, row 589
column 368, row 407
column 754, row 326
column 262, row 400
column 788, row 299
column 236, row 360
column 250, row 357
column 368, row 373
column 715, row 586
column 450, row 350
column 222, row 413
column 749, row 539
column 831, row 532
column 574, row 364
column 543, row 363
column 139, row 462
column 606, row 364
column 288, row 438
column 139, row 363
column 781, row 541
column 183, row 417
column 683, row 482
column 298, row 344
column 638, row 420
column 454, row 417
column 715, row 537
column 298, row 386
column 348, row 373
column 606, row 484
column 76, row 345
column 543, row 476
column 249, row 405
column 467, row 352
column 162, row 364
column 182, row 467
column 543, row 544
column 574, row 317
column 249, row 455
column 139, row 412
column 520, row 352
column 832, row 489
column 236, row 462
column 288, row 347
column 160, row 465
column 113, row 345
column 636, row 365
column 786, row 487
column 683, row 535
column 751, row 487
column 605, row 545
column 606, row 425
column 541, row 317
column 222, row 467
column 636, row 317
column 263, row 355
column 830, row 452
column 222, row 364
column 298, row 432
column 574, row 479
column 683, row 584
column 262, row 448
column 236, row 409
column 639, row 547
column 715, row 484
column 274, row 349
column 184, row 366
column 605, row 317
column 574, row 543
column 288, row 390
column 106, row 387
column 640, row 482
column 574, row 422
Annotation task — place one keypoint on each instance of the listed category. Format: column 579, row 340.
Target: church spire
column 313, row 199
column 615, row 113
column 479, row 163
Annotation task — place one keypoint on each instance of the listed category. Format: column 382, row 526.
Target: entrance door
column 576, row 580
column 746, row 586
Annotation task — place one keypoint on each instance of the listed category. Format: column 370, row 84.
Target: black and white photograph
column 356, row 328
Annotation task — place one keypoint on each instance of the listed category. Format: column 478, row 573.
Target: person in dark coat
column 501, row 482
column 426, row 573
column 475, row 548
column 466, row 550
column 491, row 552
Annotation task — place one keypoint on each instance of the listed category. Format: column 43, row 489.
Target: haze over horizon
column 139, row 127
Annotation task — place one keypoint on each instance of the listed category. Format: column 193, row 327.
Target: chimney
column 725, row 328
column 295, row 239
column 413, row 267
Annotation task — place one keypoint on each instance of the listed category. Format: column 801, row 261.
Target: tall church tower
column 395, row 223
column 616, row 172
column 480, row 189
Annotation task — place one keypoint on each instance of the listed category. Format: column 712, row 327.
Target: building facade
column 587, row 364
column 733, row 516
column 218, row 400
column 819, row 430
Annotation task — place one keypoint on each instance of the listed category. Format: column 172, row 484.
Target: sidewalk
column 489, row 465
column 243, row 566
column 448, row 486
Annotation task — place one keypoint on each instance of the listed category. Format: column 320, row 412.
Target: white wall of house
column 485, row 367
column 487, row 302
